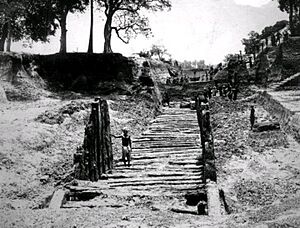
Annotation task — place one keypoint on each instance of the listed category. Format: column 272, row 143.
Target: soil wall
column 289, row 120
column 86, row 72
column 188, row 90
column 18, row 78
column 290, row 57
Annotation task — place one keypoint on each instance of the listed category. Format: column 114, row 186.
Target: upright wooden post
column 106, row 135
column 199, row 100
column 95, row 157
column 200, row 123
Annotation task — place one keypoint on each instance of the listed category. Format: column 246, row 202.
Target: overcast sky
column 192, row 30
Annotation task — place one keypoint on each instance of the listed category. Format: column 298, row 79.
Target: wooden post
column 105, row 138
column 208, row 156
column 106, row 135
column 95, row 157
column 95, row 154
column 200, row 123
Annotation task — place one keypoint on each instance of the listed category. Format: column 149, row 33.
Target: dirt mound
column 3, row 97
column 58, row 116
column 19, row 78
column 261, row 193
column 282, row 61
column 260, row 141
column 290, row 56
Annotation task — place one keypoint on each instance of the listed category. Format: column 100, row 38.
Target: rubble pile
column 230, row 127
column 257, row 170
column 261, row 141
column 58, row 116
column 262, row 193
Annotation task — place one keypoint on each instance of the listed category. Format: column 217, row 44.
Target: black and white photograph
column 149, row 113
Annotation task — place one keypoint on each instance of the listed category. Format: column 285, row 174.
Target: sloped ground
column 20, row 81
column 259, row 172
column 38, row 139
column 164, row 173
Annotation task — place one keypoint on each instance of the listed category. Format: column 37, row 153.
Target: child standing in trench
column 126, row 146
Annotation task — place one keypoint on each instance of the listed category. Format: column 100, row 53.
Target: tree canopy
column 60, row 10
column 12, row 14
column 251, row 43
column 39, row 19
column 126, row 18
column 159, row 51
column 269, row 30
column 36, row 19
column 292, row 7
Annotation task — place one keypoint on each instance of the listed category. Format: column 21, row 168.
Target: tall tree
column 158, row 50
column 269, row 30
column 51, row 15
column 291, row 7
column 62, row 8
column 125, row 17
column 90, row 48
column 36, row 19
column 251, row 43
column 12, row 14
column 40, row 20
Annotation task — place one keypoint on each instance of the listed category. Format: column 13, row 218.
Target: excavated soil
column 259, row 172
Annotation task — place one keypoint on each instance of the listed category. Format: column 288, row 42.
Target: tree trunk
column 63, row 37
column 90, row 48
column 3, row 37
column 8, row 39
column 291, row 18
column 107, row 34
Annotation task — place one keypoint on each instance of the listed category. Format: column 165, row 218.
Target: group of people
column 177, row 80
column 276, row 38
column 225, row 90
column 185, row 79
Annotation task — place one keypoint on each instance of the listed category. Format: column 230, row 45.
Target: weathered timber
column 95, row 157
column 106, row 136
column 156, row 156
column 159, row 178
column 266, row 126
column 80, row 204
column 166, row 150
column 188, row 171
column 157, row 183
column 57, row 200
column 83, row 195
column 181, row 145
column 184, row 162
column 214, row 203
column 183, row 211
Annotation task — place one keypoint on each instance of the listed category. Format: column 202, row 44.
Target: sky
column 192, row 30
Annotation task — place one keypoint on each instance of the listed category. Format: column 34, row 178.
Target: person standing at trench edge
column 252, row 116
column 126, row 146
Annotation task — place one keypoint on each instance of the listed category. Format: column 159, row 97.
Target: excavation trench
column 163, row 168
